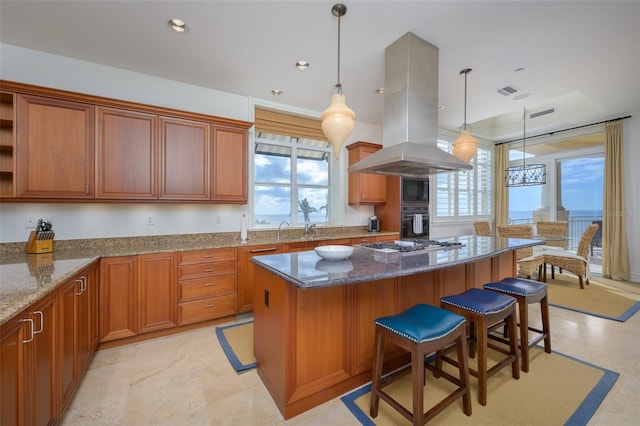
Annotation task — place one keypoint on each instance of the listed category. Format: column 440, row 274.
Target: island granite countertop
column 308, row 270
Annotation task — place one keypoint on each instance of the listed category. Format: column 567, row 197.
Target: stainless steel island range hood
column 410, row 128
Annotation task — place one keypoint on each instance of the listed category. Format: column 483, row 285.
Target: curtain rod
column 563, row 130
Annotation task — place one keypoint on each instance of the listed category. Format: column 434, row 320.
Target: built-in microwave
column 415, row 190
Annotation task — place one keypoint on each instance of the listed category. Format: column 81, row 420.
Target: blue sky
column 582, row 187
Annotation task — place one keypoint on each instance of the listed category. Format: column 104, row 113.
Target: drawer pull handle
column 263, row 250
column 209, row 256
column 209, row 306
column 209, row 270
column 209, row 284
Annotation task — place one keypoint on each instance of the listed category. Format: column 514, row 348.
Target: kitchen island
column 314, row 319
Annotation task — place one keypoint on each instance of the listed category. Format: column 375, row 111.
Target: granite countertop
column 308, row 270
column 26, row 278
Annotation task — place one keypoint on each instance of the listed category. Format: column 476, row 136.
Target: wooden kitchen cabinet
column 127, row 154
column 28, row 389
column 54, row 146
column 118, row 298
column 365, row 188
column 7, row 144
column 78, row 326
column 207, row 282
column 157, row 299
column 184, row 159
column 246, row 272
column 229, row 165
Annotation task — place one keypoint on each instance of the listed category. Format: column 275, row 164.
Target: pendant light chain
column 339, row 12
column 464, row 124
column 524, row 138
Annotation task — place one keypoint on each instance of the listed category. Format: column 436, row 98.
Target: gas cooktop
column 413, row 246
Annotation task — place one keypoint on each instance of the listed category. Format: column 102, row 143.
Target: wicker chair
column 482, row 228
column 552, row 229
column 574, row 262
column 528, row 263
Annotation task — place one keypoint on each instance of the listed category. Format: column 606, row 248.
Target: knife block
column 34, row 245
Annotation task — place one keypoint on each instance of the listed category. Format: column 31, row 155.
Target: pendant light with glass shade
column 527, row 174
column 337, row 120
column 466, row 146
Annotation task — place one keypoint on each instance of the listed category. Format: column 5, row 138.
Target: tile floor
column 185, row 379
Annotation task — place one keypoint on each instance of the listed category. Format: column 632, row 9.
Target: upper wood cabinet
column 54, row 148
column 127, row 153
column 64, row 146
column 184, row 159
column 365, row 188
column 229, row 161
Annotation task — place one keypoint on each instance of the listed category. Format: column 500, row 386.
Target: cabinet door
column 54, row 148
column 157, row 292
column 184, row 159
column 41, row 396
column 127, row 154
column 229, row 160
column 12, row 369
column 118, row 298
column 246, row 272
column 365, row 188
column 68, row 339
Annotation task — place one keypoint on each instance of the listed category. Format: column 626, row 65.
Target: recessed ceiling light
column 380, row 91
column 178, row 25
column 276, row 92
column 303, row 65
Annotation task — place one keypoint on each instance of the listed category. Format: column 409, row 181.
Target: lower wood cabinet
column 28, row 389
column 137, row 295
column 157, row 292
column 78, row 330
column 246, row 272
column 207, row 284
column 118, row 298
column 45, row 350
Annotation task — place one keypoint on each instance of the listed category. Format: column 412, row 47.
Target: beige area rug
column 616, row 300
column 236, row 341
column 557, row 390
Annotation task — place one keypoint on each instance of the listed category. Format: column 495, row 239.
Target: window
column 465, row 195
column 291, row 173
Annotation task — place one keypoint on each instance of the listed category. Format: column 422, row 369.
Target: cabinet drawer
column 206, row 309
column 202, row 270
column 207, row 287
column 212, row 255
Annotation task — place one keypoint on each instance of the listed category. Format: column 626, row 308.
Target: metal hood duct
column 410, row 130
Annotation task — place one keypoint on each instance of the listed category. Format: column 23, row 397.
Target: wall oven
column 413, row 227
column 414, row 202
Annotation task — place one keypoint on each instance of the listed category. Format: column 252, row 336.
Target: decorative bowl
column 334, row 252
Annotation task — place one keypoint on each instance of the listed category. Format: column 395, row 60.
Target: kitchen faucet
column 279, row 226
column 308, row 227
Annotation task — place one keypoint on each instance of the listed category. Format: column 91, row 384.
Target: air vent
column 547, row 111
column 507, row 90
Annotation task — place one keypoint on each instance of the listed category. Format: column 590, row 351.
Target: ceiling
column 580, row 58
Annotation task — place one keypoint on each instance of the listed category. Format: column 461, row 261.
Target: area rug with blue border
column 236, row 341
column 557, row 390
column 604, row 298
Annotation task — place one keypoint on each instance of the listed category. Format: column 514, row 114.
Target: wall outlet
column 218, row 219
column 150, row 220
column 30, row 222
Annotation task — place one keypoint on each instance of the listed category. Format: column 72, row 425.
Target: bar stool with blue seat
column 527, row 292
column 485, row 310
column 421, row 330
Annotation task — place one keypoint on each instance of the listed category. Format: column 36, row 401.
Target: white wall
column 76, row 221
